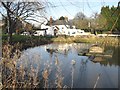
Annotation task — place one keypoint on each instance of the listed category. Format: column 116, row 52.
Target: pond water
column 84, row 73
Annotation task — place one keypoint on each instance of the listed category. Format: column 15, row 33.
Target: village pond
column 76, row 71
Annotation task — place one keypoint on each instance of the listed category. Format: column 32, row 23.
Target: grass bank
column 31, row 41
column 113, row 41
column 27, row 41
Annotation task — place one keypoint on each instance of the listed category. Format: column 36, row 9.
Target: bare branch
column 34, row 20
column 2, row 14
column 7, row 7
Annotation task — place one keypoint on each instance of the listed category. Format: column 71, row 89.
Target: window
column 73, row 32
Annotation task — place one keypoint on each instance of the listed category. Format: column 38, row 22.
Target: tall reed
column 14, row 75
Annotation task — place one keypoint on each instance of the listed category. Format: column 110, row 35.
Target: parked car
column 39, row 33
column 25, row 33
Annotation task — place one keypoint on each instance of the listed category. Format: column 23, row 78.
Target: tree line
column 108, row 19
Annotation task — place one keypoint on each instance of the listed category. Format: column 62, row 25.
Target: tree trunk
column 9, row 23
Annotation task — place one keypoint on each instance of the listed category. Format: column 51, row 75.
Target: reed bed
column 16, row 75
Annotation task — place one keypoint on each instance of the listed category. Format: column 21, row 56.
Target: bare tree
column 80, row 15
column 18, row 13
column 94, row 15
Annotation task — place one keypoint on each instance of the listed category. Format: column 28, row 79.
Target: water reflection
column 109, row 58
column 60, row 49
column 83, row 71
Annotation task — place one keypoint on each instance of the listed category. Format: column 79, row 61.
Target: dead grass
column 12, row 76
column 18, row 76
column 113, row 41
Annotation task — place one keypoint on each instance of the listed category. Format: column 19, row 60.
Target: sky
column 69, row 8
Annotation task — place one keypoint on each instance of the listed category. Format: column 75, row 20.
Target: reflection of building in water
column 58, row 48
column 65, row 48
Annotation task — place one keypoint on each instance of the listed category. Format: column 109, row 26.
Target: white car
column 39, row 33
column 25, row 33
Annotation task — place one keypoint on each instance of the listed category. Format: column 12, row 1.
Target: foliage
column 27, row 41
column 62, row 18
column 110, row 16
column 108, row 19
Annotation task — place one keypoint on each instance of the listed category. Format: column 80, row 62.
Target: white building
column 50, row 31
column 65, row 30
column 44, row 26
column 61, row 30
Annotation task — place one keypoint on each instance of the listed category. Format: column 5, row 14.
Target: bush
column 20, row 38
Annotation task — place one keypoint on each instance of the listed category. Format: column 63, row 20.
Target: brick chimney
column 50, row 20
